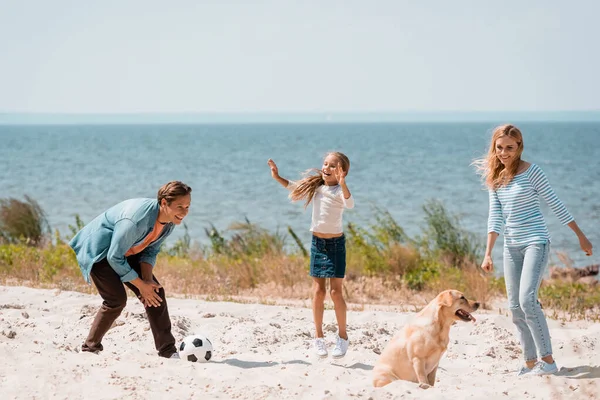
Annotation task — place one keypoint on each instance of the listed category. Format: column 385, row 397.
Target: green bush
column 182, row 247
column 443, row 237
column 22, row 222
column 578, row 300
column 381, row 248
column 247, row 241
column 420, row 278
column 35, row 264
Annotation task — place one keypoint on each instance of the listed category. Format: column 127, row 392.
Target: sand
column 264, row 352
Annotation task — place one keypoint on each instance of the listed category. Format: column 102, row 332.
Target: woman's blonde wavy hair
column 493, row 172
column 313, row 178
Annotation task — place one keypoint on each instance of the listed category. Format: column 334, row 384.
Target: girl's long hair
column 493, row 172
column 313, row 178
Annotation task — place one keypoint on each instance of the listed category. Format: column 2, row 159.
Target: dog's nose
column 476, row 305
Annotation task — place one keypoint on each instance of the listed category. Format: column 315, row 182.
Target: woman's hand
column 488, row 264
column 274, row 169
column 585, row 245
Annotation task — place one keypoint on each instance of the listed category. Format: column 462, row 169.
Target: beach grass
column 245, row 261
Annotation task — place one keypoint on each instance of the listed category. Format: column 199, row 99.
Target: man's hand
column 149, row 293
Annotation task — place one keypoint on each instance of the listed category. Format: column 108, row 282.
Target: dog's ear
column 445, row 299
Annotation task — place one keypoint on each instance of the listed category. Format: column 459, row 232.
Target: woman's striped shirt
column 517, row 205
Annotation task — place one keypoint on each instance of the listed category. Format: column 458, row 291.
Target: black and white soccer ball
column 196, row 348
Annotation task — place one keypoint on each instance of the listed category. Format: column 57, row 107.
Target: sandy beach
column 264, row 352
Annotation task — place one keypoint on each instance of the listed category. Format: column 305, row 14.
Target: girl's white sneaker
column 320, row 347
column 341, row 347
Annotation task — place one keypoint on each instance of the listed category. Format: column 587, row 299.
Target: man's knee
column 162, row 305
column 116, row 302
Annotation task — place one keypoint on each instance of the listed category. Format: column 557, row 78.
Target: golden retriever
column 415, row 351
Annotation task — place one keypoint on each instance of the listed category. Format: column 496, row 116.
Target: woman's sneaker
column 341, row 347
column 320, row 347
column 524, row 371
column 544, row 368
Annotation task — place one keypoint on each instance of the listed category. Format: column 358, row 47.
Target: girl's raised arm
column 275, row 174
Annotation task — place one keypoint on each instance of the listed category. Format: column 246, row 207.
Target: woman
column 515, row 187
column 120, row 247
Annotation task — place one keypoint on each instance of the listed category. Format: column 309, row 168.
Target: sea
column 84, row 169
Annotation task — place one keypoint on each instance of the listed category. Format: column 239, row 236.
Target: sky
column 288, row 56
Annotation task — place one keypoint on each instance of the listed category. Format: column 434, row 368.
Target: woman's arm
column 495, row 218
column 495, row 221
column 488, row 264
column 584, row 243
column 542, row 186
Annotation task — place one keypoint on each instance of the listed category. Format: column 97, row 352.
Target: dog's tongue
column 472, row 317
column 467, row 314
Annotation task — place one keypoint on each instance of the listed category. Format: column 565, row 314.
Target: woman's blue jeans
column 523, row 270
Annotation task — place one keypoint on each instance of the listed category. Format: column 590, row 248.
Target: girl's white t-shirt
column 328, row 208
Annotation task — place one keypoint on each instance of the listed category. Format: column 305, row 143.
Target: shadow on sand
column 362, row 366
column 581, row 372
column 258, row 364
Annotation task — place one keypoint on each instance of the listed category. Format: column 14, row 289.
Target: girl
column 514, row 190
column 329, row 193
column 119, row 247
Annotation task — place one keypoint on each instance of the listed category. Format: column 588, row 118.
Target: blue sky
column 298, row 56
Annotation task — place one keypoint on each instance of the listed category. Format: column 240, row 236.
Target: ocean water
column 84, row 169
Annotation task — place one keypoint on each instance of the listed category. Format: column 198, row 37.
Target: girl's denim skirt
column 328, row 257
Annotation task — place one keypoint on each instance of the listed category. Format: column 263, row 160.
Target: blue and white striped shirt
column 517, row 205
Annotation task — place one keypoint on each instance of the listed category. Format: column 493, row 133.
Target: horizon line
column 143, row 117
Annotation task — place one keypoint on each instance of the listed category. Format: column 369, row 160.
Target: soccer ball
column 196, row 348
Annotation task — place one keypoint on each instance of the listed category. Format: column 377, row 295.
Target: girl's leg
column 336, row 287
column 319, row 292
column 513, row 268
column 534, row 265
column 341, row 345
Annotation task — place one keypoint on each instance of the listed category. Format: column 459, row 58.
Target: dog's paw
column 424, row 385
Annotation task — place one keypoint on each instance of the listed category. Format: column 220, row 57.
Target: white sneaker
column 175, row 356
column 523, row 371
column 341, row 347
column 321, row 347
column 544, row 368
